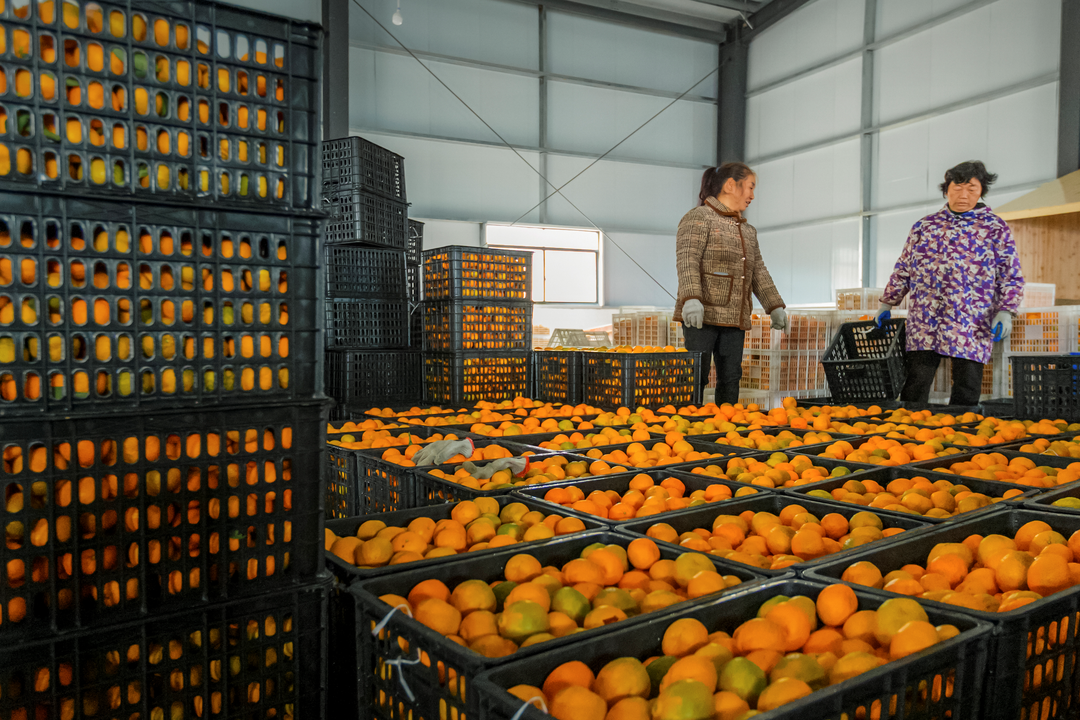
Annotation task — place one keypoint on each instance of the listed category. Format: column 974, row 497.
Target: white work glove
column 779, row 319
column 884, row 312
column 693, row 313
column 440, row 451
column 1002, row 325
column 518, row 466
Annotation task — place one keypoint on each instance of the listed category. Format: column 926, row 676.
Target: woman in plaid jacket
column 719, row 265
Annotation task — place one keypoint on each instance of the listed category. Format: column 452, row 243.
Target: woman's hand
column 884, row 313
column 1002, row 325
column 693, row 313
column 779, row 319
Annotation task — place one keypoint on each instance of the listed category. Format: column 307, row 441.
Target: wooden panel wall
column 1049, row 250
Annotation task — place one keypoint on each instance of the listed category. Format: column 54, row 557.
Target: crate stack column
column 477, row 324
column 161, row 415
column 372, row 280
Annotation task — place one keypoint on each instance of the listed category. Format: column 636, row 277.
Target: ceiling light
column 397, row 19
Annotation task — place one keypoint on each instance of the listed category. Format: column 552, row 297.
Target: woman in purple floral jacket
column 962, row 272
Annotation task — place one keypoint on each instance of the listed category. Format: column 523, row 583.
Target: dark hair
column 712, row 181
column 965, row 172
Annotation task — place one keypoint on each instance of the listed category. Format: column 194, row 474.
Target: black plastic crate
column 883, row 476
column 640, row 379
column 904, row 684
column 264, row 657
column 128, row 517
column 1011, row 688
column 185, row 102
column 464, row 326
column 1044, row 501
column 773, row 502
column 353, row 163
column 432, row 694
column 1008, row 452
column 367, row 324
column 357, row 216
column 377, row 378
column 416, row 332
column 360, row 482
column 861, row 368
column 414, row 248
column 458, row 272
column 710, row 442
column 557, row 376
column 412, row 285
column 361, row 272
column 467, row 377
column 113, row 306
column 1046, row 386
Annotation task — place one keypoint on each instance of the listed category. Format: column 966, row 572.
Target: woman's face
column 739, row 195
column 964, row 196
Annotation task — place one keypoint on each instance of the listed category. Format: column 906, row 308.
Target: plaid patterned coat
column 719, row 263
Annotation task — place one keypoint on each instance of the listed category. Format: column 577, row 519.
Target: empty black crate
column 412, row 284
column 470, row 273
column 415, row 247
column 126, row 517
column 362, row 324
column 557, row 376
column 362, row 272
column 635, row 380
column 360, row 380
column 465, row 378
column 473, row 326
column 357, row 216
column 859, row 367
column 258, row 658
column 182, row 102
column 354, row 163
column 1046, row 386
column 115, row 306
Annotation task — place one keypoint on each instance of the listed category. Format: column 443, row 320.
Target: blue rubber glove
column 1002, row 325
column 884, row 313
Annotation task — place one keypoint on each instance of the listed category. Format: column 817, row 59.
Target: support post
column 542, row 128
column 866, row 143
column 731, row 100
column 1069, row 90
column 335, row 99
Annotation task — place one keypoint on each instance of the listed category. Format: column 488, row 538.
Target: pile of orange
column 993, row 432
column 767, row 442
column 1060, row 448
column 878, row 450
column 386, row 439
column 354, row 427
column 794, row 646
column 559, row 467
column 929, row 418
column 777, row 471
column 723, row 419
column 473, row 525
column 404, row 457
column 994, row 573
column 605, row 436
column 643, row 497
column 916, row 495
column 774, row 542
column 533, row 603
column 535, row 426
column 413, row 411
column 673, row 449
column 1017, row 470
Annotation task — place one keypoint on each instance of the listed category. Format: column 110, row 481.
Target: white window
column 565, row 260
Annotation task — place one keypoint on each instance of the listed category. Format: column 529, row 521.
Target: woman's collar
column 722, row 207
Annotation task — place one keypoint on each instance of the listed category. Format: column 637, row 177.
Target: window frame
column 598, row 253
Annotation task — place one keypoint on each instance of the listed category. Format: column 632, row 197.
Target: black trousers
column 923, row 364
column 725, row 346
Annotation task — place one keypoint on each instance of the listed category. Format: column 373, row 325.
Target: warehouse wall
column 591, row 86
column 947, row 81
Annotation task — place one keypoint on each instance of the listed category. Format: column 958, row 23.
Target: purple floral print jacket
column 960, row 270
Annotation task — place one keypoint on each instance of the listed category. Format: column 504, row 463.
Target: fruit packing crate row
column 458, row 272
column 557, row 376
column 263, row 657
column 640, row 379
column 783, row 370
column 805, row 331
column 109, row 305
column 864, row 299
column 647, row 328
column 376, row 378
column 189, row 102
column 464, row 378
column 354, row 271
column 356, row 324
column 123, row 518
column 473, row 326
column 1044, row 330
column 906, row 684
column 353, row 163
column 1047, row 386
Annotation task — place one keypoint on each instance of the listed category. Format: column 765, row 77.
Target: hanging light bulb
column 397, row 19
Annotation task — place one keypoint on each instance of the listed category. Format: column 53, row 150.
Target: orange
column 430, row 588
column 794, row 623
column 835, row 604
column 642, row 553
column 759, row 634
column 912, row 638
column 522, row 568
column 1048, row 574
column 345, row 548
column 781, row 692
column 623, row 678
column 864, row 573
column 577, row 703
column 570, row 673
column 684, row 636
column 691, row 667
column 440, row 616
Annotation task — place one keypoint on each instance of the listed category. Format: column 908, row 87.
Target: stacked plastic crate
column 477, row 324
column 160, row 415
column 1038, row 331
column 786, row 364
column 372, row 278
